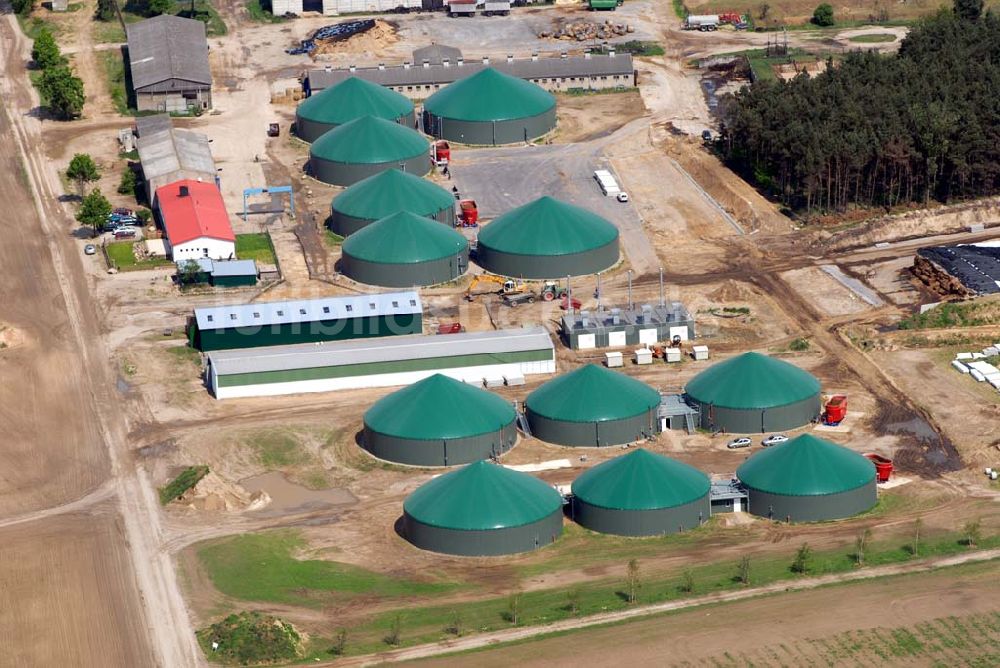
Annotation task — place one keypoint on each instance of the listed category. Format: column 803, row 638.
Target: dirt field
column 820, row 627
column 585, row 117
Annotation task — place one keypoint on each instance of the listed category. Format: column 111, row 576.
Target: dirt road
column 658, row 636
column 82, row 589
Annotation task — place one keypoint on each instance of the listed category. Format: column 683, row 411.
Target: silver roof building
column 168, row 154
column 366, row 351
column 166, row 48
column 307, row 310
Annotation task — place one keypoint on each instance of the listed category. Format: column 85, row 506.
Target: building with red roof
column 195, row 221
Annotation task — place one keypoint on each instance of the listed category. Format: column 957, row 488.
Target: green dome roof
column 481, row 497
column 351, row 99
column 547, row 226
column 489, row 95
column 641, row 480
column 369, row 140
column 404, row 238
column 752, row 381
column 592, row 394
column 391, row 191
column 806, row 466
column 427, row 411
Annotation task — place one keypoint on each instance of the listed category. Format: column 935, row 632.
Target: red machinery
column 440, row 153
column 883, row 466
column 836, row 410
column 468, row 214
column 450, row 328
column 730, row 17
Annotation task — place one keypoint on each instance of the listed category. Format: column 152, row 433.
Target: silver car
column 774, row 439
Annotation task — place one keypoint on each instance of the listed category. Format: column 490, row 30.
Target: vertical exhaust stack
column 569, row 297
column 598, row 292
column 629, row 289
column 662, row 301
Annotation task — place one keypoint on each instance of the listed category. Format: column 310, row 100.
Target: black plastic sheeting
column 335, row 33
column 977, row 267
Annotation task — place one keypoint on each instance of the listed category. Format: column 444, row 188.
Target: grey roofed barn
column 168, row 47
column 336, row 353
column 440, row 73
column 307, row 310
column 436, row 54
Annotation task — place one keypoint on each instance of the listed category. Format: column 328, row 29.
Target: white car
column 742, row 442
column 774, row 439
column 622, row 197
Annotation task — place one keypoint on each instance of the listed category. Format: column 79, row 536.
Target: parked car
column 706, row 135
column 774, row 439
column 124, row 233
column 622, row 197
column 89, row 249
column 742, row 442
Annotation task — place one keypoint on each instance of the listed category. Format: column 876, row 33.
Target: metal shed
column 350, row 99
column 483, row 510
column 547, row 238
column 404, row 250
column 306, row 321
column 641, row 494
column 419, row 425
column 592, row 407
column 490, row 108
column 754, row 393
column 808, row 479
column 387, row 193
column 366, row 146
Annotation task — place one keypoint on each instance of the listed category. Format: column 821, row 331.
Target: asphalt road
column 501, row 179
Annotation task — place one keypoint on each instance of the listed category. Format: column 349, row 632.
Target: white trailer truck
column 702, row 22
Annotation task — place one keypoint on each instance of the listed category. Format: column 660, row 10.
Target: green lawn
column 267, row 567
column 263, row 567
column 331, row 238
column 255, row 246
column 873, row 38
column 32, row 25
column 114, row 69
column 123, row 257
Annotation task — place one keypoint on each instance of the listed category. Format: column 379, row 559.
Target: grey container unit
column 753, row 393
column 808, row 479
column 483, row 510
column 404, row 250
column 490, row 108
column 420, row 426
column 665, row 320
column 364, row 147
column 387, row 193
column 641, row 494
column 592, row 407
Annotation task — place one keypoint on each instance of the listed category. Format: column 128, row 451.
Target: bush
column 251, row 637
column 799, row 345
column 823, row 15
column 45, row 52
column 187, row 479
column 22, row 7
column 63, row 91
column 127, row 185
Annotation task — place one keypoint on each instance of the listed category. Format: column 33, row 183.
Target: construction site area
column 447, row 333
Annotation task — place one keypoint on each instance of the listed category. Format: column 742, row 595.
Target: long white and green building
column 381, row 362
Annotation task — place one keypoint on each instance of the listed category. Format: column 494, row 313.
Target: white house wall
column 192, row 250
column 378, row 380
